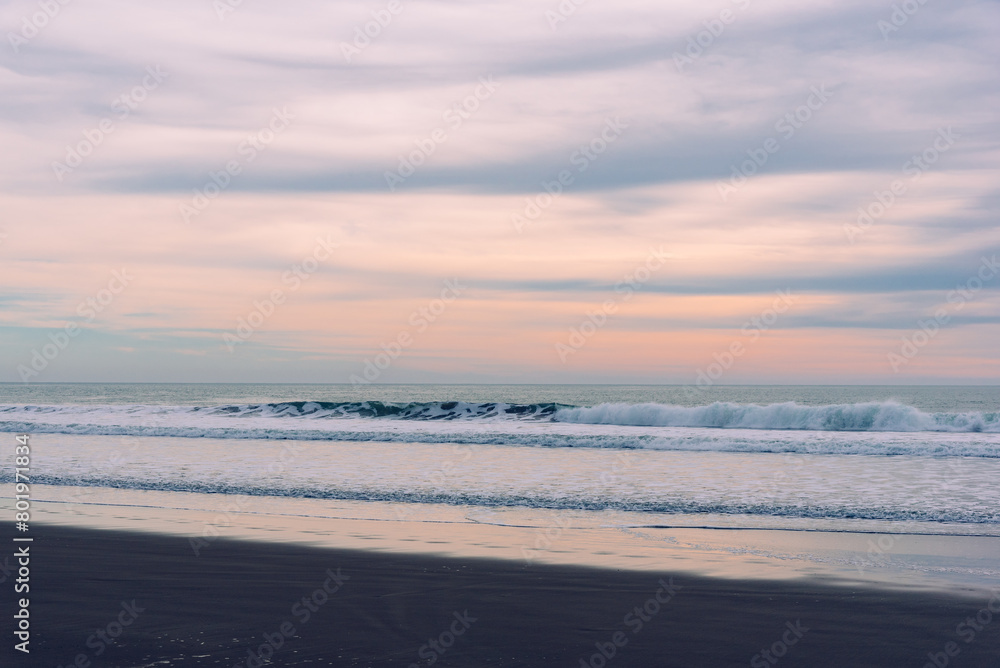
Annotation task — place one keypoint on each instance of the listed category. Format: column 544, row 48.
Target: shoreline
column 888, row 560
column 357, row 607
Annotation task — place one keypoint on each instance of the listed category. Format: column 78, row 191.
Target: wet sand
column 115, row 598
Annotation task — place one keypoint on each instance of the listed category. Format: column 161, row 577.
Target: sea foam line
column 719, row 442
column 586, row 503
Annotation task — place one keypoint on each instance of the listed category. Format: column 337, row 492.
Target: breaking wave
column 874, row 416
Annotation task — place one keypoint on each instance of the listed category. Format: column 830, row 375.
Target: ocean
column 914, row 460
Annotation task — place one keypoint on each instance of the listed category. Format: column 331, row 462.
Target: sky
column 720, row 192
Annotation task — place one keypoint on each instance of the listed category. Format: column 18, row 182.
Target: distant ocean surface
column 887, row 459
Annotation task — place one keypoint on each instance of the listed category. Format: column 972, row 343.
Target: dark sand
column 210, row 609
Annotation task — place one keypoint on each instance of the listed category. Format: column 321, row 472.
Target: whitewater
column 846, row 459
column 871, row 416
column 873, row 428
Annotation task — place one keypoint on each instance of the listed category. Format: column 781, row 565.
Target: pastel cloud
column 792, row 225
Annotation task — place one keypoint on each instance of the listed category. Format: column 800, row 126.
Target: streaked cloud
column 886, row 97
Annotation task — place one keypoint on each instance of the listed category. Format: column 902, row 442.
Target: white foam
column 873, row 416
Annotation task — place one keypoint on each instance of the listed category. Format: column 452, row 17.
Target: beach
column 239, row 526
column 239, row 601
column 507, row 334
